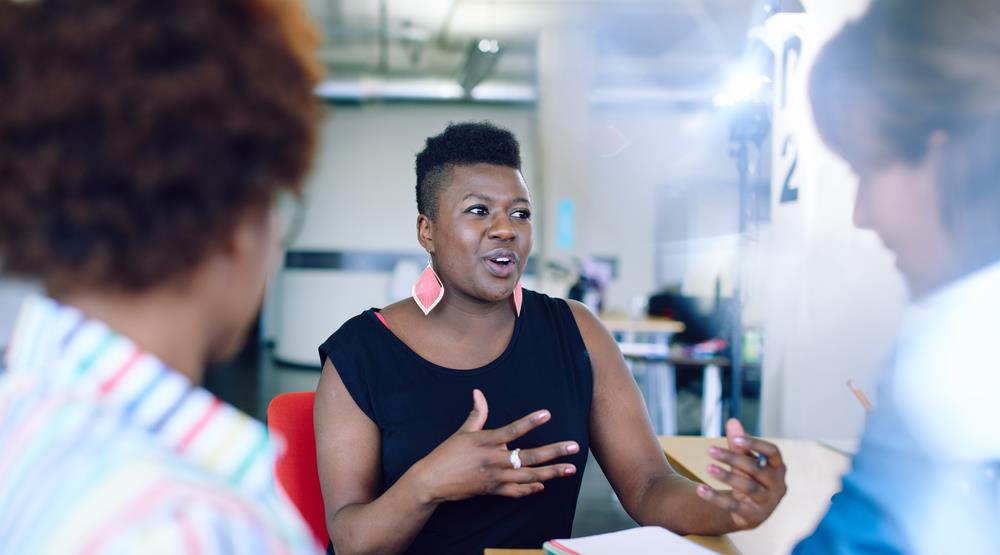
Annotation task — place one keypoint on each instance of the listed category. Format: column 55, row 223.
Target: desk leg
column 650, row 393
column 658, row 386
column 711, row 402
column 666, row 398
column 638, row 371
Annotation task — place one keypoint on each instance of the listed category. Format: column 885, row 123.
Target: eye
column 478, row 210
column 522, row 214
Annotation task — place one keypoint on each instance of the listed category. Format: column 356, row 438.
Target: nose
column 501, row 228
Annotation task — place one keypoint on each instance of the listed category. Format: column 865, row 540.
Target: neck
column 162, row 322
column 945, row 279
column 959, row 257
column 473, row 314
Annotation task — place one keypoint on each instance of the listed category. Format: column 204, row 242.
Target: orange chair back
column 291, row 415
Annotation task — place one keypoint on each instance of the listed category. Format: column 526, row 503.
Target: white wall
column 834, row 297
column 361, row 191
column 361, row 197
column 672, row 190
column 615, row 160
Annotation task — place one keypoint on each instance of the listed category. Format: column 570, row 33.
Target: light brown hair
column 905, row 70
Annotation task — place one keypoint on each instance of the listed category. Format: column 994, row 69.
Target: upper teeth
column 501, row 259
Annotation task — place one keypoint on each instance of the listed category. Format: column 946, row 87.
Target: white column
column 833, row 296
column 565, row 70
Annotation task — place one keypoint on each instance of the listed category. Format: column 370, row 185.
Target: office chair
column 291, row 415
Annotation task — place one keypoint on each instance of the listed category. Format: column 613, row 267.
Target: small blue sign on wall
column 566, row 224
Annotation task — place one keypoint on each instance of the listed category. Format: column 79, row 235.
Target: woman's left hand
column 756, row 473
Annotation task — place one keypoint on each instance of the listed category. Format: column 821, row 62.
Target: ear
column 937, row 141
column 425, row 233
column 255, row 235
column 928, row 170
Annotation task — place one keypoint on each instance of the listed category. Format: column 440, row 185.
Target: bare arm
column 473, row 461
column 627, row 450
column 348, row 447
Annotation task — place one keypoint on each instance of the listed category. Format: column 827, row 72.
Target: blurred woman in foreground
column 909, row 95
column 143, row 148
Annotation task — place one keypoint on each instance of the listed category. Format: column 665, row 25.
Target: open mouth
column 501, row 264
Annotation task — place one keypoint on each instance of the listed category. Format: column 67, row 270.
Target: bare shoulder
column 402, row 305
column 591, row 327
column 400, row 313
column 579, row 309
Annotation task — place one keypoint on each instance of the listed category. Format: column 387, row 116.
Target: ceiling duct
column 426, row 90
column 480, row 60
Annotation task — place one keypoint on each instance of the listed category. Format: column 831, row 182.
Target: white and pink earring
column 517, row 298
column 428, row 290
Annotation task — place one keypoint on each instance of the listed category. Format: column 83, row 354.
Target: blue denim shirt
column 898, row 498
column 924, row 479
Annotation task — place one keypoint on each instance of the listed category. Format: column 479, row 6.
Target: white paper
column 647, row 540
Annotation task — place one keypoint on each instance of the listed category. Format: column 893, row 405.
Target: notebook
column 647, row 540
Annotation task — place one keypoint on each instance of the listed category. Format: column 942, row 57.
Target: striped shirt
column 104, row 449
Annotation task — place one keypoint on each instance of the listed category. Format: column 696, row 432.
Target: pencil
column 860, row 395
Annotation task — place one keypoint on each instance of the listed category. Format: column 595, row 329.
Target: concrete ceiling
column 663, row 43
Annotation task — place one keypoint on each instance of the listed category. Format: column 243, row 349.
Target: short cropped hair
column 904, row 70
column 461, row 144
column 135, row 135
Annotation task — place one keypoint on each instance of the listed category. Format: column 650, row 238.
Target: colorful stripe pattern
column 104, row 449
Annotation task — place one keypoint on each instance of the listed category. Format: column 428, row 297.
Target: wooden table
column 645, row 344
column 813, row 477
column 718, row 544
column 650, row 324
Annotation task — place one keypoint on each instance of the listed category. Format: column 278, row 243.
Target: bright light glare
column 489, row 46
column 742, row 86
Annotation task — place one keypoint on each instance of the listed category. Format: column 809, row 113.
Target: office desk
column 813, row 476
column 655, row 371
column 813, row 472
column 649, row 325
column 645, row 344
column 720, row 544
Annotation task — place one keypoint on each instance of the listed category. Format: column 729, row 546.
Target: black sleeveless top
column 417, row 405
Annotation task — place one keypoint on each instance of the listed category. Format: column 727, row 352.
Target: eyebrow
column 488, row 198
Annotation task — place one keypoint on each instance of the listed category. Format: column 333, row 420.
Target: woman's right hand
column 474, row 461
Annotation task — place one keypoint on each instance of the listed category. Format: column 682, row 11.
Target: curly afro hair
column 135, row 135
column 461, row 144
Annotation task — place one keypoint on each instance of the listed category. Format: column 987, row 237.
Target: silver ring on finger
column 515, row 459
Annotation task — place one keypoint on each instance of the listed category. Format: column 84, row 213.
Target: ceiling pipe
column 429, row 90
column 480, row 60
column 383, row 36
column 446, row 90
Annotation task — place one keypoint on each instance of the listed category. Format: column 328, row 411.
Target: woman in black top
column 405, row 468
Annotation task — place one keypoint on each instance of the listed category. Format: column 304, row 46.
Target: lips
column 501, row 263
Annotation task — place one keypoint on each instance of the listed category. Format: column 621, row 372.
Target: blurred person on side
column 143, row 150
column 909, row 95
